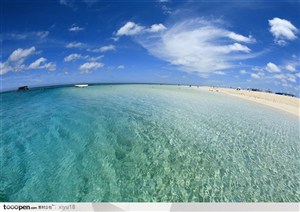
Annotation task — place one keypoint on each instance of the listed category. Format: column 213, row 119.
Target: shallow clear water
column 145, row 143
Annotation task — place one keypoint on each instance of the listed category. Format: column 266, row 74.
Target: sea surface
column 145, row 143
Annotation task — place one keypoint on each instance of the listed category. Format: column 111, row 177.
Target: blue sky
column 221, row 43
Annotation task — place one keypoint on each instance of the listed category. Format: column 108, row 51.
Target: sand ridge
column 285, row 103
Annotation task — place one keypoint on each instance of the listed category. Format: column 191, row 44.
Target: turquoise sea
column 145, row 143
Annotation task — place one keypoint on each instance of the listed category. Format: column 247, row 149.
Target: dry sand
column 285, row 103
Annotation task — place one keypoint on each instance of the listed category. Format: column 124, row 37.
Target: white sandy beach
column 285, row 103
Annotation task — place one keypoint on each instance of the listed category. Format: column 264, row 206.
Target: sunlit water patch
column 145, row 143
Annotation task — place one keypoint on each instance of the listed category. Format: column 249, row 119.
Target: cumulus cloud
column 75, row 56
column 283, row 31
column 36, row 64
column 286, row 77
column 75, row 28
column 255, row 76
column 42, row 34
column 74, row 45
column 291, row 78
column 104, row 49
column 234, row 47
column 198, row 46
column 220, row 73
column 72, row 57
column 86, row 67
column 240, row 38
column 89, row 58
column 243, row 72
column 20, row 54
column 25, row 36
column 16, row 59
column 278, row 74
column 272, row 68
column 121, row 67
column 156, row 28
column 4, row 68
column 166, row 10
column 290, row 68
column 41, row 64
column 131, row 28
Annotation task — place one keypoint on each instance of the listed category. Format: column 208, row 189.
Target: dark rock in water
column 23, row 88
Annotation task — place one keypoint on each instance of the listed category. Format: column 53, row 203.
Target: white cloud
column 104, row 49
column 287, row 85
column 86, row 67
column 74, row 45
column 280, row 77
column 235, row 47
column 42, row 34
column 240, row 38
column 14, row 36
column 282, row 30
column 41, row 64
column 115, row 38
column 261, row 74
column 72, row 57
column 166, row 10
column 258, row 68
column 21, row 54
column 243, row 72
column 286, row 77
column 75, row 56
column 255, row 76
column 36, row 64
column 273, row 73
column 15, row 62
column 272, row 68
column 75, row 28
column 130, row 28
column 219, row 72
column 27, row 35
column 4, row 68
column 157, row 28
column 197, row 46
column 121, row 67
column 290, row 68
column 163, row 1
column 89, row 58
column 291, row 78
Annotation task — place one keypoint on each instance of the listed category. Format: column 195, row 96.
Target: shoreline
column 284, row 103
column 280, row 102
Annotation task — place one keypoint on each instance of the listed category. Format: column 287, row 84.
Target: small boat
column 81, row 85
column 23, row 88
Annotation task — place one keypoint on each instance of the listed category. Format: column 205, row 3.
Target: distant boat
column 81, row 85
column 23, row 88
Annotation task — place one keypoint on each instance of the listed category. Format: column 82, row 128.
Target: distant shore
column 285, row 103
